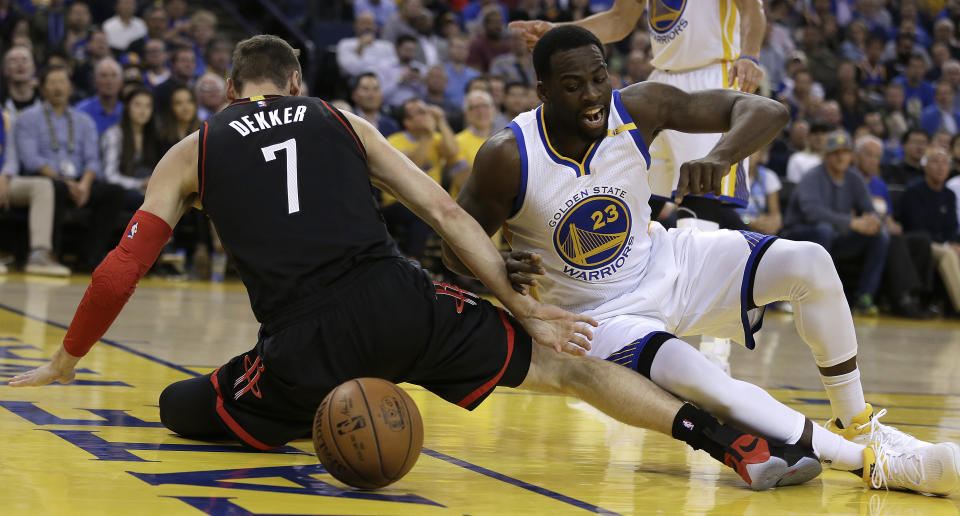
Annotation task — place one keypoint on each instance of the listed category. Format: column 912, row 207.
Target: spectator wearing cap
column 364, row 52
column 832, row 206
column 124, row 28
column 60, row 142
column 941, row 115
column 155, row 19
column 459, row 74
column 914, row 143
column 105, row 107
column 927, row 206
column 802, row 162
column 367, row 98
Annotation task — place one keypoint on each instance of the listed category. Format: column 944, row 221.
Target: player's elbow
column 778, row 113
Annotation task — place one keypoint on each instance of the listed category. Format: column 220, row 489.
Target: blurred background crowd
column 93, row 93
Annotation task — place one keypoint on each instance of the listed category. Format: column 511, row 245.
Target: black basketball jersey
column 286, row 183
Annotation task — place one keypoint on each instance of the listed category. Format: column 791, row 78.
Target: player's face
column 578, row 91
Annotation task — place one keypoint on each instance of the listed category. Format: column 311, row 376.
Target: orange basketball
column 368, row 433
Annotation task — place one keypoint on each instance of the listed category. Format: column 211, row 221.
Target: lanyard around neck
column 54, row 143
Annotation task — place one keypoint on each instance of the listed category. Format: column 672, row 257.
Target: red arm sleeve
column 115, row 279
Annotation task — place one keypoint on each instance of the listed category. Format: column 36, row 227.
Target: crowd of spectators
column 869, row 166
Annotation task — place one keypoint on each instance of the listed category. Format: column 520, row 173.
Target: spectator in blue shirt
column 105, row 107
column 60, row 142
column 459, row 74
column 941, row 116
column 918, row 93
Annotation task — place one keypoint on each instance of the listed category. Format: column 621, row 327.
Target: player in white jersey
column 696, row 46
column 569, row 183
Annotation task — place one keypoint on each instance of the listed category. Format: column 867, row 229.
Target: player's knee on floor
column 188, row 408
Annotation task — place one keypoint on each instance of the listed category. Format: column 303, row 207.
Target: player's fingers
column 584, row 330
column 682, row 182
column 733, row 76
column 577, row 347
column 693, row 185
column 581, row 341
column 518, row 278
column 524, row 267
column 717, row 185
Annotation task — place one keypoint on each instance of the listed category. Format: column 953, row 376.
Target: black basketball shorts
column 394, row 324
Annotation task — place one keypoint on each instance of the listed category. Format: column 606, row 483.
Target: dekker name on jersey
column 587, row 219
column 268, row 119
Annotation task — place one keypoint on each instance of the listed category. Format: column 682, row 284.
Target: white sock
column 846, row 395
column 836, row 451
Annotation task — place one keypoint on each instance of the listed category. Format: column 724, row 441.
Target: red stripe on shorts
column 232, row 423
column 487, row 387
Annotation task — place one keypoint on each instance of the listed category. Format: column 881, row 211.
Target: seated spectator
column 927, row 206
column 940, row 54
column 918, row 92
column 131, row 149
column 183, row 68
column 517, row 66
column 155, row 19
column 218, row 56
column 367, row 98
column 873, row 73
column 762, row 213
column 897, row 57
column 944, row 33
column 203, row 26
column 97, row 50
column 428, row 141
column 156, row 71
column 124, row 28
column 832, row 207
column 401, row 21
column 486, row 84
column 907, row 273
column 382, row 9
column 805, row 160
column 60, row 142
column 430, row 46
column 854, row 47
column 436, row 87
column 516, row 100
column 364, row 52
column 105, row 107
column 36, row 194
column 941, row 139
column 951, row 75
column 914, row 144
column 941, row 115
column 821, row 61
column 404, row 79
column 954, row 157
column 180, row 117
column 21, row 93
column 478, row 108
column 77, row 30
column 799, row 96
column 894, row 117
column 459, row 74
column 490, row 42
column 211, row 93
column 787, row 145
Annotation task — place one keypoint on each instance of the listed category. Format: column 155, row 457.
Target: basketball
column 368, row 433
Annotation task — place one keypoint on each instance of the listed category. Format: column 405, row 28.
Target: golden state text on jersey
column 587, row 219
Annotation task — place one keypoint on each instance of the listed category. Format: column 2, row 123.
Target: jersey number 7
column 270, row 154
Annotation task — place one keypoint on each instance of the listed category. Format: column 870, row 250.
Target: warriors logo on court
column 664, row 14
column 594, row 234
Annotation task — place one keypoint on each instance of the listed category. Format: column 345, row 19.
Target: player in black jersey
column 286, row 181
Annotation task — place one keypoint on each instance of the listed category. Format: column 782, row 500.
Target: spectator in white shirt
column 365, row 52
column 131, row 148
column 802, row 161
column 124, row 28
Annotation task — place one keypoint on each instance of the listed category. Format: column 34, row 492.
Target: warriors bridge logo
column 594, row 234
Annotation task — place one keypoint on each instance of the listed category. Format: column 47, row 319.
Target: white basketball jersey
column 688, row 34
column 587, row 220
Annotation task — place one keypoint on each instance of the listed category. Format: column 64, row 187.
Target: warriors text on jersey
column 688, row 34
column 280, row 178
column 587, row 220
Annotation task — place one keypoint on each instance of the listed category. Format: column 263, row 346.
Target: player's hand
column 748, row 73
column 700, row 177
column 59, row 369
column 559, row 329
column 521, row 267
column 530, row 31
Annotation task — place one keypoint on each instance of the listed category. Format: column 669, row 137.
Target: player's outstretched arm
column 748, row 122
column 397, row 175
column 172, row 186
column 609, row 26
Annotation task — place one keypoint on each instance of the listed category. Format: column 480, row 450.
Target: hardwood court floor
column 96, row 446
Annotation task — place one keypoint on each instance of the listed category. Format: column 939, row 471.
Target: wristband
column 751, row 58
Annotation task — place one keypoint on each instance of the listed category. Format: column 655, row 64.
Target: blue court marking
column 518, row 483
column 108, row 342
column 444, row 457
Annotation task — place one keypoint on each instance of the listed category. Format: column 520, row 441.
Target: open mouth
column 593, row 117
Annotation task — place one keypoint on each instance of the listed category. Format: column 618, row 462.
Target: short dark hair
column 403, row 38
column 559, row 39
column 819, row 126
column 514, row 84
column 355, row 81
column 51, row 69
column 402, row 113
column 913, row 130
column 264, row 57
